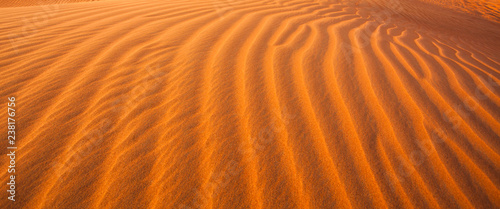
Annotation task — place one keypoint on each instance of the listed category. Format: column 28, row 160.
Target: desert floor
column 252, row 103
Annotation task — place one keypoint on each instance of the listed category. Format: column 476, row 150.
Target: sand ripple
column 252, row 104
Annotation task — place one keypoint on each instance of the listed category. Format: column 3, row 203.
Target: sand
column 252, row 104
column 24, row 3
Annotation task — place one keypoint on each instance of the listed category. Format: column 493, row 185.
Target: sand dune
column 486, row 8
column 252, row 104
column 24, row 3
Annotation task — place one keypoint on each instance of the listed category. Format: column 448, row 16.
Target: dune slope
column 252, row 104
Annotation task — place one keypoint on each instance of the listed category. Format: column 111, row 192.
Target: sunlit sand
column 252, row 104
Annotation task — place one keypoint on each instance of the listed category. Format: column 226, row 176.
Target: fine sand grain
column 252, row 103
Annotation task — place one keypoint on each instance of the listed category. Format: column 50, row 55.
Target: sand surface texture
column 252, row 104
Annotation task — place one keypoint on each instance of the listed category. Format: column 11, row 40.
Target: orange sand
column 23, row 3
column 253, row 104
